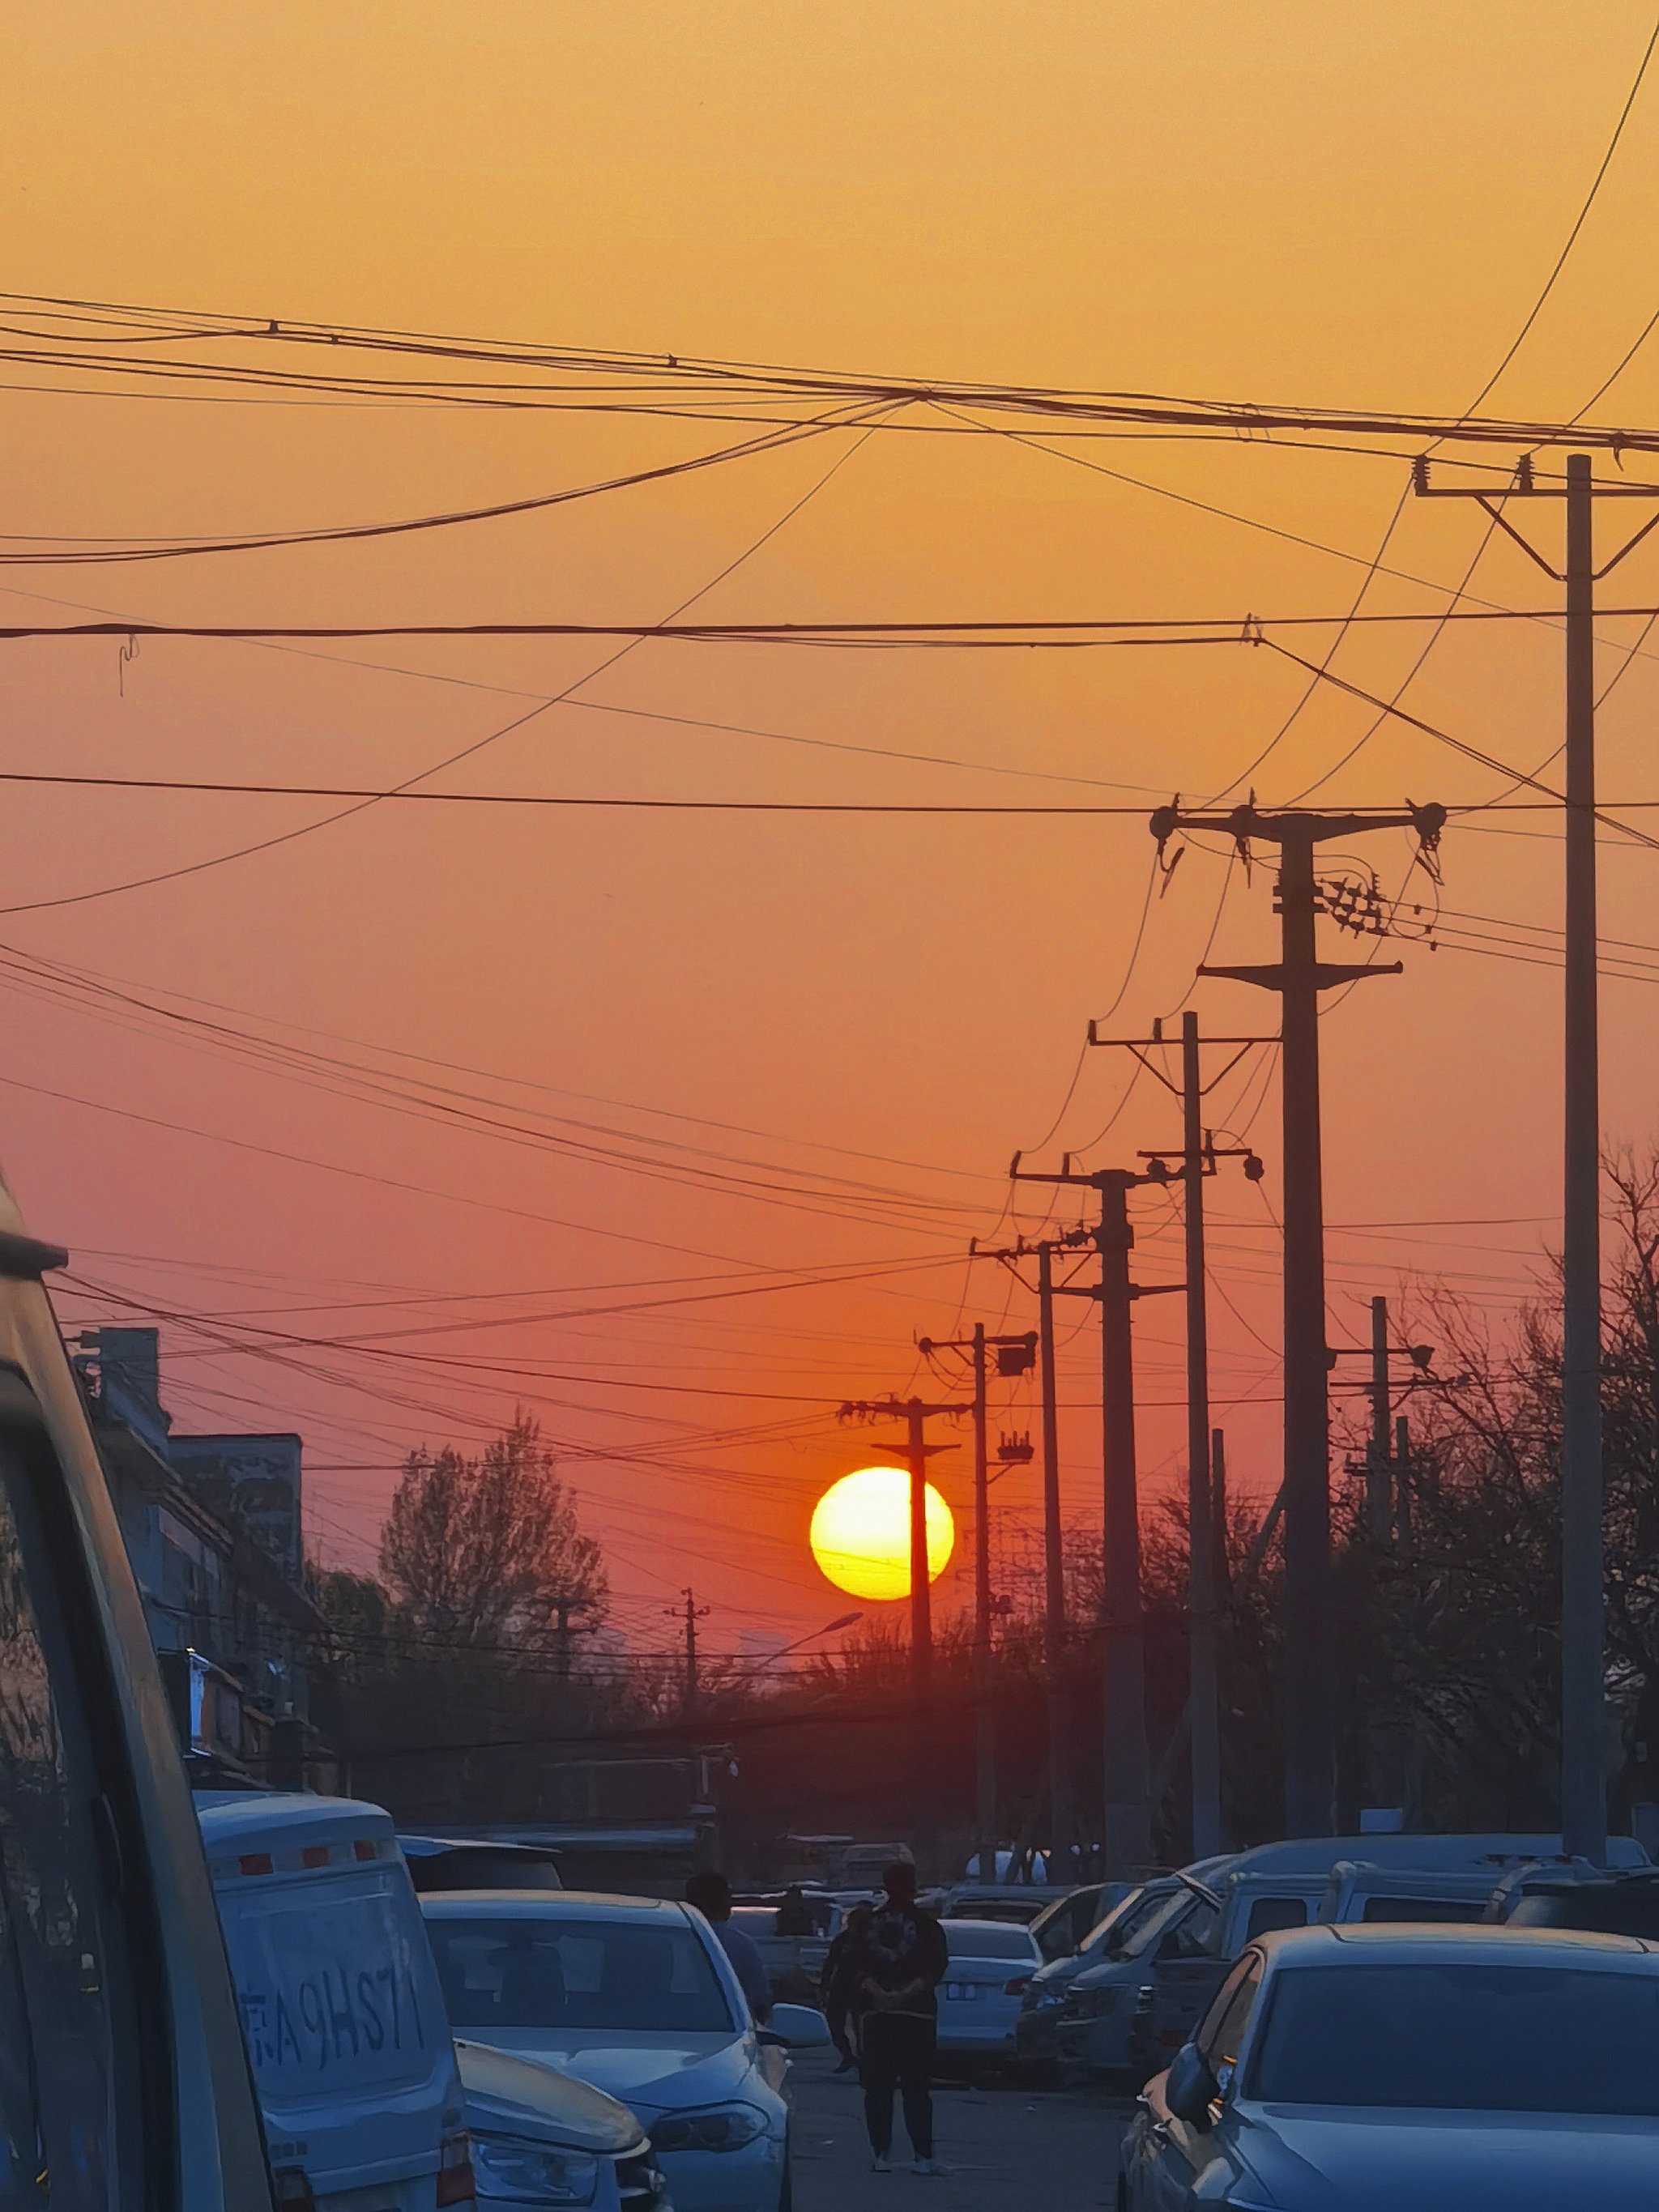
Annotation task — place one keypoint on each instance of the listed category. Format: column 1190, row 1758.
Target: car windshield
column 971, row 1939
column 1151, row 1931
column 558, row 1974
column 1461, row 2037
column 1126, row 1916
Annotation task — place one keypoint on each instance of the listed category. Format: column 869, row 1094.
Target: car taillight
column 455, row 2181
column 1017, row 1987
column 291, row 2187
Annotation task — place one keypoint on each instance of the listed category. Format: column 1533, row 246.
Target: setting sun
column 861, row 1532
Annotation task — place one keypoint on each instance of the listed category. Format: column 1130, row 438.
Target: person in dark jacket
column 837, row 1991
column 897, row 1966
column 794, row 1915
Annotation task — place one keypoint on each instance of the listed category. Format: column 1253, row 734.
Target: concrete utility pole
column 1583, row 1626
column 690, row 1613
column 1128, row 1834
column 1299, row 977
column 1062, row 1817
column 1061, row 1803
column 1015, row 1355
column 1378, row 1501
column 1198, row 1158
column 915, row 1414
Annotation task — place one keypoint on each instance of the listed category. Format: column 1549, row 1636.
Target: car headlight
column 716, row 2127
column 1042, row 1996
column 513, row 2166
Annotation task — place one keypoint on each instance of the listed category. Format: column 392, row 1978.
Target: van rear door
column 341, row 2008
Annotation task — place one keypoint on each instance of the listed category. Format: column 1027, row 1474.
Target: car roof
column 962, row 1924
column 1441, row 1944
column 542, row 1904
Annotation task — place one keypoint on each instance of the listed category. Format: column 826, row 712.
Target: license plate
column 962, row 1992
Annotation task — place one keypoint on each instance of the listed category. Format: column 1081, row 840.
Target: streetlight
column 841, row 1620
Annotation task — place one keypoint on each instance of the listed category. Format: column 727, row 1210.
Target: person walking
column 837, row 1985
column 896, row 1967
column 711, row 1894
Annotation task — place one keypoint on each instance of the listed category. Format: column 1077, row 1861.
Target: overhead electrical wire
column 637, row 375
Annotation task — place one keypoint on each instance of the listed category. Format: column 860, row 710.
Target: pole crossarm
column 898, row 1409
column 1326, row 973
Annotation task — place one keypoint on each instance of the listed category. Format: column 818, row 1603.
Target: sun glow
column 861, row 1532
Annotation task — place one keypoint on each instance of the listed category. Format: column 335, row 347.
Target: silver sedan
column 1385, row 2066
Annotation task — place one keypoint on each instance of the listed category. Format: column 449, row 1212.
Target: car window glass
column 503, row 1973
column 1124, row 1918
column 61, row 2083
column 1190, row 1937
column 1500, row 2037
column 1166, row 1916
column 1422, row 1908
column 973, row 1940
column 1267, row 1913
column 1222, row 2036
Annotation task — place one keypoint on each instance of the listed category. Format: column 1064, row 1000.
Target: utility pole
column 1197, row 1157
column 915, row 1414
column 1218, row 1508
column 1062, row 1817
column 690, row 1613
column 1376, row 1459
column 1061, row 1804
column 1299, row 977
column 1583, row 1624
column 1128, row 1834
column 1015, row 1355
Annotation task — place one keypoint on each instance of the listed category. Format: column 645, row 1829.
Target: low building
column 212, row 1528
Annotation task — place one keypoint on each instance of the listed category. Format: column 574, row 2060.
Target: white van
column 340, row 2009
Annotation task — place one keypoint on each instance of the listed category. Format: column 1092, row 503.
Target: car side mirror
column 797, row 2027
column 1189, row 2087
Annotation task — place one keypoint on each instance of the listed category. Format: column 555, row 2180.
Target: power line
column 985, row 633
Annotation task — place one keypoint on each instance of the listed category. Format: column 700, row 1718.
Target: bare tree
column 486, row 1553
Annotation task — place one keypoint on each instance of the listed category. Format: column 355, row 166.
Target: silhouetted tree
column 486, row 1552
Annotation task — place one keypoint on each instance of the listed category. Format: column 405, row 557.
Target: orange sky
column 1286, row 203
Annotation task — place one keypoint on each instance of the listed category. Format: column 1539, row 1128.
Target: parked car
column 1069, row 1917
column 474, row 1862
column 1098, row 2011
column 541, row 2138
column 634, row 1996
column 1037, row 2035
column 794, row 1963
column 1495, row 1851
column 990, row 1963
column 1179, row 1990
column 341, row 2009
column 1626, row 1903
column 1377, row 2068
column 1019, row 1902
column 122, row 2079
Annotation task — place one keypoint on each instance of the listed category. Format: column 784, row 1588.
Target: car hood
column 1106, row 1973
column 1363, row 2160
column 1054, row 1973
column 649, row 2073
column 520, row 2096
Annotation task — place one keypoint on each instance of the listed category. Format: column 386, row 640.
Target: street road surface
column 1008, row 2149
